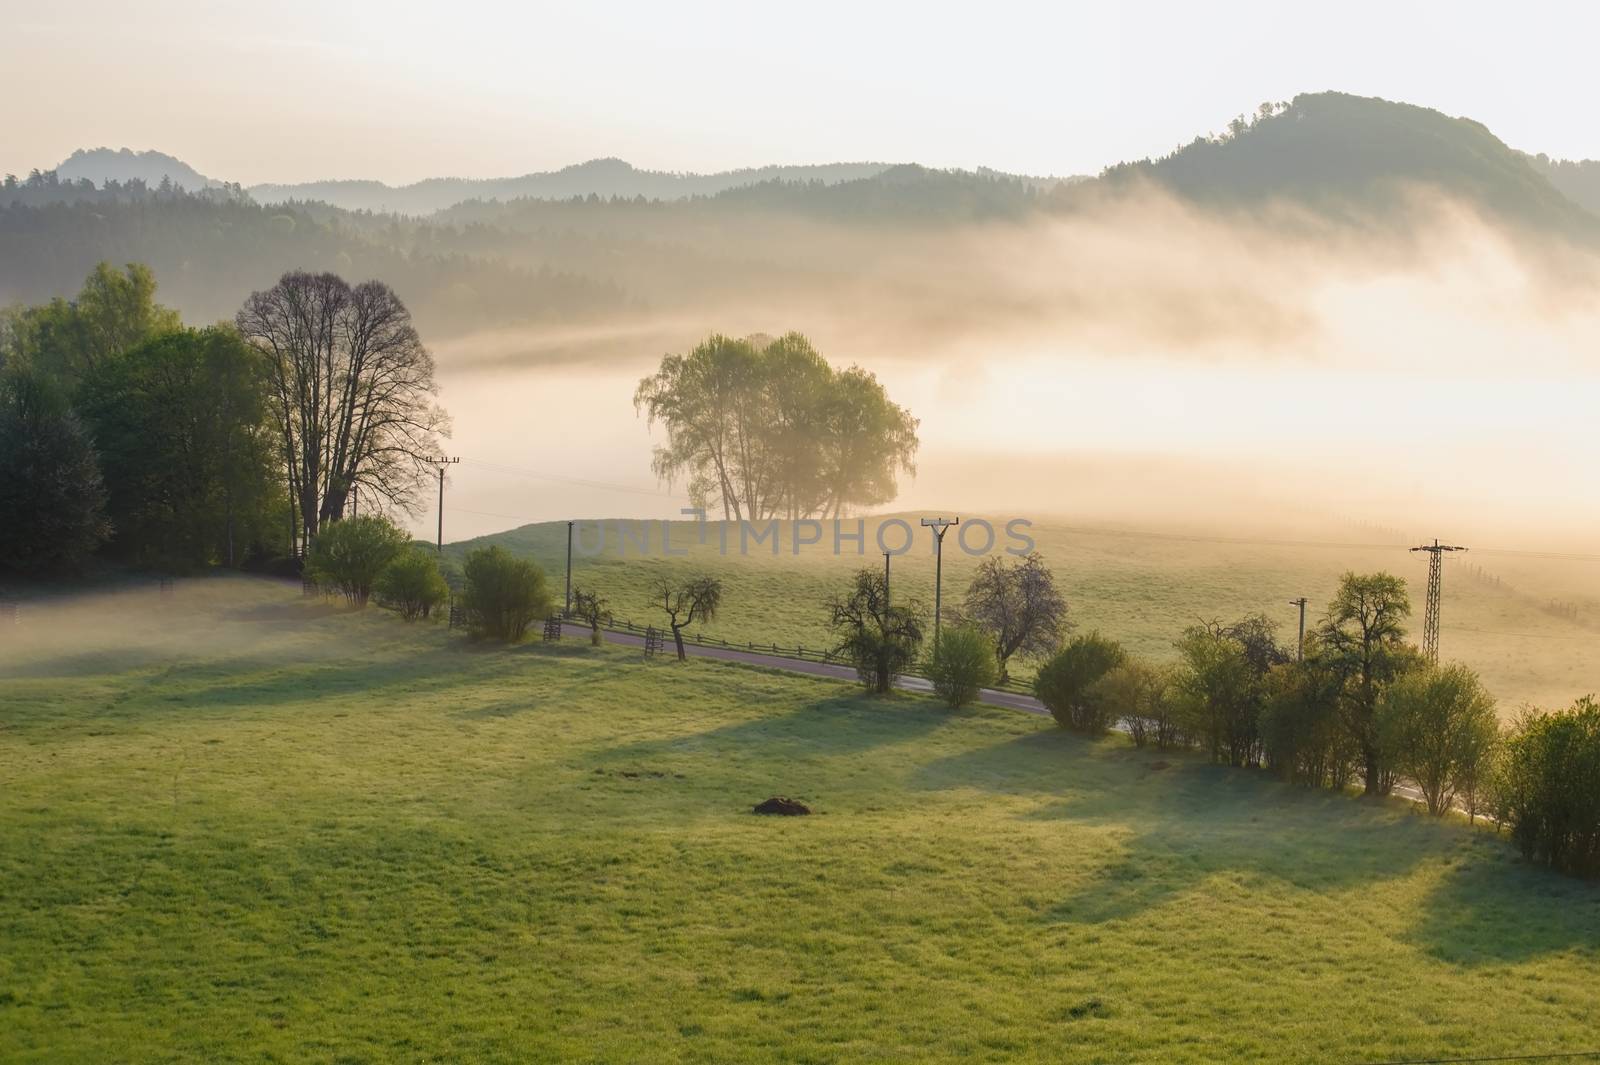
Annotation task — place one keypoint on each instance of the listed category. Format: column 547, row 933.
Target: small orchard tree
column 503, row 594
column 1018, row 606
column 879, row 639
column 1437, row 726
column 686, row 602
column 412, row 583
column 592, row 608
column 962, row 665
column 1069, row 683
column 351, row 554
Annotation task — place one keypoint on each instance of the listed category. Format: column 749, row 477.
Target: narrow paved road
column 1010, row 700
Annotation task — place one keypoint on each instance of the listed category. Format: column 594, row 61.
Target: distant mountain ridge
column 597, row 177
column 99, row 165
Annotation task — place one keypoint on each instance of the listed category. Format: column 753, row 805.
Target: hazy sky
column 297, row 89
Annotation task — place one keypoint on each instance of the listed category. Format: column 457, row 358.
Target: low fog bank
column 141, row 624
column 1144, row 359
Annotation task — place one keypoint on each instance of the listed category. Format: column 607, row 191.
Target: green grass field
column 238, row 827
column 1141, row 586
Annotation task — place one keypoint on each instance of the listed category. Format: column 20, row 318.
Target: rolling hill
column 1339, row 153
column 100, row 165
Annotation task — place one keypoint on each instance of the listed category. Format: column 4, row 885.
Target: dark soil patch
column 783, row 807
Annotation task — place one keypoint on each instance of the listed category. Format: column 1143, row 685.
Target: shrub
column 503, row 593
column 1438, row 727
column 1137, row 694
column 962, row 664
column 350, row 554
column 1548, row 787
column 1068, row 683
column 412, row 583
column 1303, row 737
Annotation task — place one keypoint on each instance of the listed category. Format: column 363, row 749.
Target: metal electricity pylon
column 1430, row 617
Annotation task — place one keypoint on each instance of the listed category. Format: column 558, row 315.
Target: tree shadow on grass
column 840, row 725
column 1171, row 821
column 1493, row 908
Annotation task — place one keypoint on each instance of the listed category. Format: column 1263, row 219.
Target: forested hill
column 760, row 243
column 209, row 253
column 100, row 165
column 1577, row 180
column 597, row 177
column 1341, row 154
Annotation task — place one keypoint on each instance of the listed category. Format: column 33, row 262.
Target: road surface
column 1010, row 700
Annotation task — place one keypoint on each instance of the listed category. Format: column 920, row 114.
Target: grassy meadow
column 237, row 826
column 1141, row 586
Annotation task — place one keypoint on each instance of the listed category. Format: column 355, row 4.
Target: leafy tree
column 52, row 498
column 593, row 608
column 962, row 665
column 350, row 555
column 1069, row 683
column 504, row 594
column 1222, row 681
column 1139, row 694
column 879, row 639
column 188, row 449
column 412, row 583
column 1018, row 605
column 1302, row 733
column 1437, row 726
column 1362, row 640
column 114, row 311
column 686, row 602
column 768, row 428
column 350, row 388
column 1548, row 787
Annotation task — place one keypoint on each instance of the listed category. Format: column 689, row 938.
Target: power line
column 1430, row 618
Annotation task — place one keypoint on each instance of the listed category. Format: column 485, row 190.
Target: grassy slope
column 1139, row 586
column 260, row 831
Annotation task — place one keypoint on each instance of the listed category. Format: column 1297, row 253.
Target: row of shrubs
column 1361, row 712
column 1356, row 704
column 367, row 558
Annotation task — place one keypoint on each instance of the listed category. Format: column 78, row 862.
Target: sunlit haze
column 399, row 91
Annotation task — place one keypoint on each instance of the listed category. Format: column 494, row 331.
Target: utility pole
column 1430, row 617
column 568, row 611
column 442, row 463
column 886, row 584
column 355, row 501
column 939, row 526
column 1300, row 654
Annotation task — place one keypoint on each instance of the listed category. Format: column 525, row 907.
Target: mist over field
column 1141, row 357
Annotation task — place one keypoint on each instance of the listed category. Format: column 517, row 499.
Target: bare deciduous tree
column 686, row 602
column 1018, row 606
column 352, row 389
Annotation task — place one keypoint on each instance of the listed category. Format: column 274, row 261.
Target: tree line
column 126, row 433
